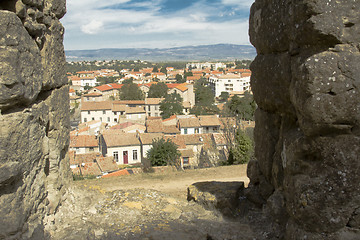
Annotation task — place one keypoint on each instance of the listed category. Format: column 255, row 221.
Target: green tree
column 180, row 79
column 242, row 150
column 158, row 90
column 106, row 80
column 224, row 96
column 131, row 91
column 204, row 99
column 164, row 153
column 155, row 69
column 163, row 70
column 172, row 104
column 243, row 107
column 129, row 80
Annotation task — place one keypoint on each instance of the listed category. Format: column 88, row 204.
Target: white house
column 83, row 144
column 124, row 147
column 210, row 123
column 229, row 83
column 153, row 107
column 189, row 125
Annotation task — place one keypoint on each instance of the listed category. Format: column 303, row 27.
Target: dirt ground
column 150, row 206
column 172, row 183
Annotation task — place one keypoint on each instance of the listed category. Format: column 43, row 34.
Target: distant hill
column 188, row 53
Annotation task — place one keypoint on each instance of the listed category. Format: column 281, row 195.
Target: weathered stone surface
column 34, row 120
column 53, row 56
column 20, row 63
column 56, row 7
column 94, row 213
column 222, row 196
column 305, row 80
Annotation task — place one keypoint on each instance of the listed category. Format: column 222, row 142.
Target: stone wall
column 34, row 116
column 306, row 81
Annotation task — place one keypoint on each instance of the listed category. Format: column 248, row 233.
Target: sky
column 94, row 24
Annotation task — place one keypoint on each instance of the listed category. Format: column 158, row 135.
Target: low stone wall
column 306, row 80
column 34, row 117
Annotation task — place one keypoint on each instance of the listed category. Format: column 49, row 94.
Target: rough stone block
column 20, row 63
column 222, row 196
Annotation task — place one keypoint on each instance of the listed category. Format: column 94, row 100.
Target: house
column 93, row 97
column 108, row 91
column 185, row 90
column 229, row 83
column 153, row 107
column 130, row 127
column 158, row 126
column 84, row 144
column 136, row 114
column 146, row 140
column 159, row 75
column 112, row 112
column 210, row 123
column 189, row 125
column 124, row 147
column 102, row 111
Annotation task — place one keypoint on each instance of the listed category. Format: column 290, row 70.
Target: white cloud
column 240, row 3
column 93, row 27
column 127, row 27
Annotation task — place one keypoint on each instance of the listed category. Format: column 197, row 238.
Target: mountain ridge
column 186, row 53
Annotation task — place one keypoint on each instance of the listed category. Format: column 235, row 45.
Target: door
column 125, row 157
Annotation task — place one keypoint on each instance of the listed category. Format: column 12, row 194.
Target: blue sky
column 93, row 24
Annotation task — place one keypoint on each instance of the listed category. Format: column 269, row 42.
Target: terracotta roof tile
column 77, row 159
column 209, row 120
column 147, row 138
column 153, row 101
column 108, row 87
column 178, row 140
column 107, row 164
column 189, row 122
column 171, row 129
column 83, row 141
column 122, row 172
column 118, row 107
column 118, row 139
column 94, row 106
column 133, row 110
column 154, row 126
column 91, row 169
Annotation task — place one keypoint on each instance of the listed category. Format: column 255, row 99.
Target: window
column 185, row 160
column 156, row 107
column 116, row 156
column 185, row 130
column 149, row 108
column 77, row 149
column 100, row 119
column 108, row 119
column 115, row 113
column 135, row 156
column 93, row 119
column 104, row 112
column 115, row 119
column 88, row 112
column 196, row 130
column 91, row 149
column 87, row 98
column 85, row 119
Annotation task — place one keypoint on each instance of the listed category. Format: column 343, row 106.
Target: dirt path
column 172, row 183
